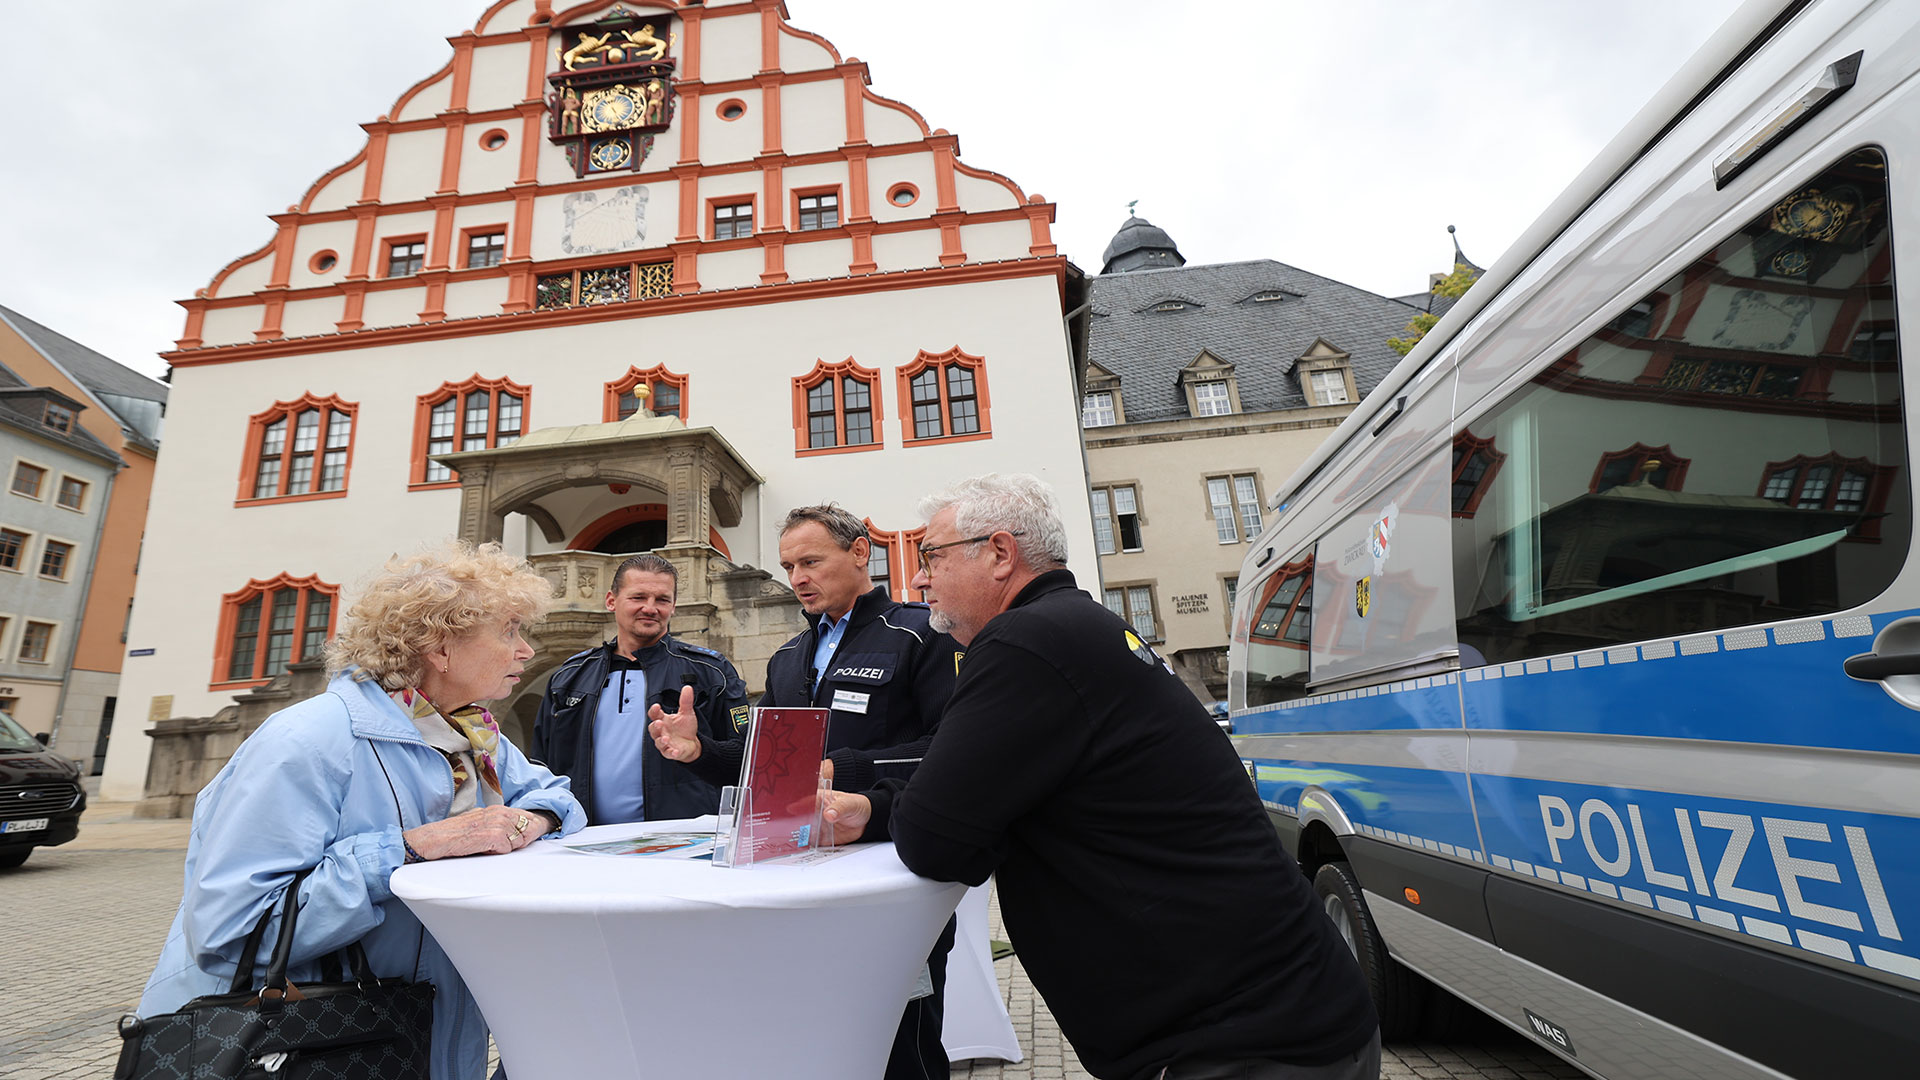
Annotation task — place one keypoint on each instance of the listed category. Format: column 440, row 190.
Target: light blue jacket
column 308, row 790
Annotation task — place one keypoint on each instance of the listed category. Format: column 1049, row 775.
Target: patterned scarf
column 474, row 722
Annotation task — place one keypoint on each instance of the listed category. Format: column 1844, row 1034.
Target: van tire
column 1399, row 995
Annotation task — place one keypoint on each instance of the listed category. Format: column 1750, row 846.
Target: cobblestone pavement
column 86, row 920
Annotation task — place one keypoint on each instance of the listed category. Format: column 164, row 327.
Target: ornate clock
column 613, row 91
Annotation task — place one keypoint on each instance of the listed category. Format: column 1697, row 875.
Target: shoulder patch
column 739, row 717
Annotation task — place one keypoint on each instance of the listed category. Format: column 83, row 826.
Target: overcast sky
column 143, row 144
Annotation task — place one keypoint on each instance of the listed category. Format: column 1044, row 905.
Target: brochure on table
column 775, row 810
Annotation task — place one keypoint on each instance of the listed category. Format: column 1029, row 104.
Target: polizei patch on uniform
column 1363, row 595
column 739, row 717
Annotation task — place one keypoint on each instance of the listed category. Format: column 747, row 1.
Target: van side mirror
column 42, row 738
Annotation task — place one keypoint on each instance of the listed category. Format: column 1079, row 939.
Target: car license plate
column 24, row 824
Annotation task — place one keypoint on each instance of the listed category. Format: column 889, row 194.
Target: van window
column 1278, row 630
column 1727, row 451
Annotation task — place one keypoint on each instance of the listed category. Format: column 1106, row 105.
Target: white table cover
column 608, row 967
column 975, row 1024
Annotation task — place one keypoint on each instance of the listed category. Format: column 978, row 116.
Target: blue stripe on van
column 1779, row 687
column 1423, row 808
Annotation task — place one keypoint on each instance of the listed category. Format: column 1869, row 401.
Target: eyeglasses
column 926, row 564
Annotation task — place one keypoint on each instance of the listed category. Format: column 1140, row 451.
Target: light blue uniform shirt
column 830, row 635
column 619, row 741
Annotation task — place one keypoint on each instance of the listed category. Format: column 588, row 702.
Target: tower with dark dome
column 1140, row 245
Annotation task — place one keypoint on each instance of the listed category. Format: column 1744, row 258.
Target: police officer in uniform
column 885, row 674
column 592, row 724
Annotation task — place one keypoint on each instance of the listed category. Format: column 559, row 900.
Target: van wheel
column 11, row 859
column 1399, row 995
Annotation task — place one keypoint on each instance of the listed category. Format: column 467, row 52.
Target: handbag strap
column 283, row 948
column 289, row 907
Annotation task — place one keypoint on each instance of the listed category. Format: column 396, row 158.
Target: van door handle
column 1872, row 667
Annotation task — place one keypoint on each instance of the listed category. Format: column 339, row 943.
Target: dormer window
column 1170, row 305
column 1100, row 404
column 58, row 417
column 1210, row 386
column 1267, row 296
column 1326, row 375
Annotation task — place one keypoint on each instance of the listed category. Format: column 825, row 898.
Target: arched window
column 1475, row 463
column 1831, row 482
column 298, row 449
column 894, row 559
column 477, row 414
column 944, row 397
column 833, row 409
column 266, row 625
column 666, row 393
column 1641, row 465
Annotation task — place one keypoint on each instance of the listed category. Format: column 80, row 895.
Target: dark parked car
column 40, row 795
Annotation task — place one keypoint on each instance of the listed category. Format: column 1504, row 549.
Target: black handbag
column 364, row 1029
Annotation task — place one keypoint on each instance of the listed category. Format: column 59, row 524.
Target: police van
column 1581, row 667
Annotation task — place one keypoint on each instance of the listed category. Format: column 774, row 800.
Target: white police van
column 1581, row 667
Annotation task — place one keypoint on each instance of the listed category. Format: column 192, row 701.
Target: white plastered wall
column 740, row 362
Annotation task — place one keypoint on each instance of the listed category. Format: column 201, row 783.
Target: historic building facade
column 617, row 277
column 1205, row 387
column 88, row 405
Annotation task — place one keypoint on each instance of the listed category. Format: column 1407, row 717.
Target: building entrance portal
column 637, row 537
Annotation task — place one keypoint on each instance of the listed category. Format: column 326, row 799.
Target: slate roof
column 1148, row 349
column 98, row 373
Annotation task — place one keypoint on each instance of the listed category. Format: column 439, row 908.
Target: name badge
column 850, row 701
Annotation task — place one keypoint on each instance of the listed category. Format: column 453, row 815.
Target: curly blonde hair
column 419, row 601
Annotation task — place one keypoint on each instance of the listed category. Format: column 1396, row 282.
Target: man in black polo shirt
column 1152, row 903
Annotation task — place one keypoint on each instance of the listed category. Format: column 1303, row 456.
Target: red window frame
column 847, row 369
column 234, row 619
column 423, row 435
column 1641, row 455
column 1465, row 445
column 654, row 377
column 393, row 242
column 1874, row 499
column 284, row 461
column 945, row 365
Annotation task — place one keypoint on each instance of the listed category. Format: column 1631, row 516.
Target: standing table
column 648, row 966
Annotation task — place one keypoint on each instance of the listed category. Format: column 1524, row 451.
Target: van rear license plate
column 23, row 825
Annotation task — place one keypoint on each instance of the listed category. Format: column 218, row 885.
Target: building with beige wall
column 446, row 334
column 119, row 410
column 1205, row 387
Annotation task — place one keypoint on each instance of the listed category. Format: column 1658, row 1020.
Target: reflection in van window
column 1278, row 635
column 1727, row 451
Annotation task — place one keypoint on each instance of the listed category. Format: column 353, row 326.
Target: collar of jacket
column 865, row 610
column 372, row 714
column 1050, row 582
column 642, row 657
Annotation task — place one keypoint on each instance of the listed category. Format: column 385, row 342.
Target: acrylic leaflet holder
column 775, row 810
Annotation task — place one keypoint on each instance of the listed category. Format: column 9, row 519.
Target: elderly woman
column 397, row 762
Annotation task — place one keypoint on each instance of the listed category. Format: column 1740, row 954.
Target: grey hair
column 839, row 523
column 646, row 563
column 1016, row 502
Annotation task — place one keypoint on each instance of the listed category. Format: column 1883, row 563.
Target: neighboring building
column 121, row 411
column 450, row 333
column 58, row 481
column 1206, row 386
